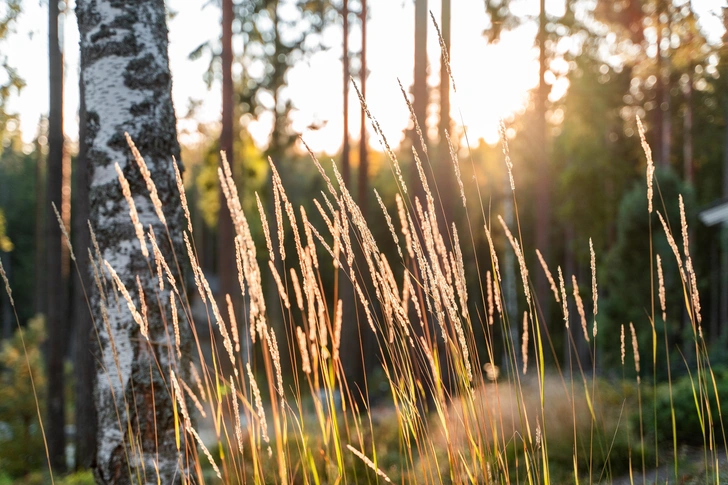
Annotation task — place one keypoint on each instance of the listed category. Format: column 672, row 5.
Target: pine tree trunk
column 688, row 128
column 56, row 321
column 345, row 162
column 363, row 151
column 127, row 84
column 445, row 182
column 444, row 78
column 227, row 272
column 39, row 299
column 543, row 187
column 666, row 119
column 421, row 97
column 356, row 341
column 724, row 226
column 351, row 355
column 84, row 362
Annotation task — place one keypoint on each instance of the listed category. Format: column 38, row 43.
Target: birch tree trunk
column 127, row 84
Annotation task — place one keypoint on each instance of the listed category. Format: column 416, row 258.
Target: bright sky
column 494, row 79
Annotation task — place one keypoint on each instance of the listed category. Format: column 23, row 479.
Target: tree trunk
column 85, row 343
column 226, row 265
column 444, row 78
column 664, row 80
column 352, row 365
column 127, row 88
column 57, row 328
column 421, row 98
column 543, row 207
column 724, row 226
column 688, row 128
column 356, row 341
column 363, row 151
column 39, row 299
column 345, row 162
column 420, row 94
column 445, row 182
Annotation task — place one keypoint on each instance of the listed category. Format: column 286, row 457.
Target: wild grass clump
column 470, row 394
column 288, row 413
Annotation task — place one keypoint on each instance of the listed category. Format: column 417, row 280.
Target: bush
column 21, row 440
column 687, row 421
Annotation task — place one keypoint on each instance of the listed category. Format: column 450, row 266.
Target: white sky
column 492, row 81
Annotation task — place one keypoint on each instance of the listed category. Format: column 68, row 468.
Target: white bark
column 128, row 89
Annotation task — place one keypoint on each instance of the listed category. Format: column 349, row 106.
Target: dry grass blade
column 389, row 223
column 195, row 400
column 382, row 138
column 126, row 190
column 673, row 246
column 550, row 278
column 650, row 164
column 129, row 302
column 233, row 322
column 8, row 290
column 489, row 287
column 236, row 410
column 146, row 174
column 507, row 154
column 64, row 231
column 564, row 303
column 524, row 342
column 182, row 194
column 444, row 51
column 635, row 350
column 694, row 294
column 175, row 324
column 456, row 168
column 258, row 404
column 595, row 294
column 266, row 229
column 580, row 307
column 303, row 349
column 369, row 463
column 661, row 286
column 414, row 119
column 521, row 260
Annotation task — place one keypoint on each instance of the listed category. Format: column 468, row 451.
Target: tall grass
column 452, row 418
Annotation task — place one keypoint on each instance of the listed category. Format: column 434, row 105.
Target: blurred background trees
column 579, row 165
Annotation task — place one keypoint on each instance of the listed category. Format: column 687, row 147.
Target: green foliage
column 21, row 441
column 249, row 172
column 627, row 269
column 18, row 202
column 9, row 79
column 6, row 244
column 687, row 419
column 592, row 155
column 84, row 477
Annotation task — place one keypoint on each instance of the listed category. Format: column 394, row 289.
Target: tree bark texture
column 543, row 188
column 227, row 271
column 127, row 88
column 56, row 318
column 363, row 149
column 345, row 162
column 84, row 361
